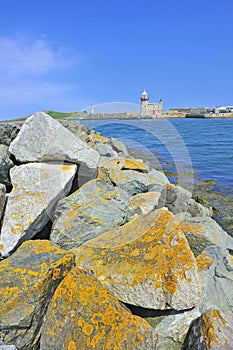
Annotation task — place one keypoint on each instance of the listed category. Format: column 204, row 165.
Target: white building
column 150, row 109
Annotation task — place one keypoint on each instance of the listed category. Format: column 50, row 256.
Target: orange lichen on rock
column 170, row 186
column 147, row 261
column 144, row 202
column 231, row 258
column 66, row 167
column 194, row 229
column 203, row 261
column 28, row 279
column 126, row 164
column 135, row 164
column 96, row 137
column 217, row 328
column 72, row 345
column 91, row 318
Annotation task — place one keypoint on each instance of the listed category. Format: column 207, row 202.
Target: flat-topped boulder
column 144, row 203
column 43, row 138
column 96, row 207
column 177, row 199
column 28, row 280
column 147, row 262
column 202, row 232
column 125, row 164
column 215, row 266
column 132, row 175
column 84, row 315
column 37, row 187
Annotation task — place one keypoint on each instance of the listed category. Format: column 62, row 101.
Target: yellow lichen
column 44, row 175
column 97, row 137
column 66, row 167
column 56, row 273
column 17, row 229
column 101, row 323
column 194, row 229
column 136, row 252
column 155, row 243
column 72, row 345
column 208, row 331
column 134, row 164
column 203, row 262
column 87, row 329
column 170, row 186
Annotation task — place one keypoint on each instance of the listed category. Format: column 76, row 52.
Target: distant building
column 200, row 111
column 92, row 109
column 150, row 109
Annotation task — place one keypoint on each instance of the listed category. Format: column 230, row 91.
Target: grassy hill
column 53, row 114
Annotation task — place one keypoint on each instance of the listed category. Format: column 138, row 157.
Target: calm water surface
column 204, row 143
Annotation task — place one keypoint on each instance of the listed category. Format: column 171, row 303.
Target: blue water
column 204, row 144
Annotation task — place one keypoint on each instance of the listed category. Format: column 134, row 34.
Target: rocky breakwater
column 99, row 251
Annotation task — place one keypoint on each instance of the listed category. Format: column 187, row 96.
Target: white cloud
column 35, row 76
column 21, row 56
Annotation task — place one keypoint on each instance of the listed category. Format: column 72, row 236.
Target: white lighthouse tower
column 152, row 110
column 144, row 103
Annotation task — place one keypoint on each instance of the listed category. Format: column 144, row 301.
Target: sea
column 194, row 153
column 204, row 145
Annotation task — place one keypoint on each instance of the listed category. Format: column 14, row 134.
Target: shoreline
column 217, row 195
column 126, row 116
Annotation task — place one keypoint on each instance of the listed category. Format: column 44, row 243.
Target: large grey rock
column 146, row 262
column 217, row 280
column 212, row 331
column 43, row 138
column 105, row 149
column 2, row 198
column 73, row 125
column 171, row 330
column 131, row 181
column 37, row 187
column 157, row 177
column 197, row 209
column 83, row 315
column 158, row 182
column 28, row 280
column 119, row 146
column 8, row 133
column 144, row 203
column 202, row 232
column 8, row 347
column 96, row 207
column 5, row 165
column 120, row 163
column 177, row 199
column 129, row 174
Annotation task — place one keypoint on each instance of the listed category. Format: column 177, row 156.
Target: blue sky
column 66, row 54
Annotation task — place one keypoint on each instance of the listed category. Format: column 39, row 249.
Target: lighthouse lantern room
column 144, row 96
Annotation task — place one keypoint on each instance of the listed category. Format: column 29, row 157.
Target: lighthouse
column 151, row 110
column 144, row 102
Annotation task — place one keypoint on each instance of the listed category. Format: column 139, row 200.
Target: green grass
column 59, row 115
column 53, row 114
